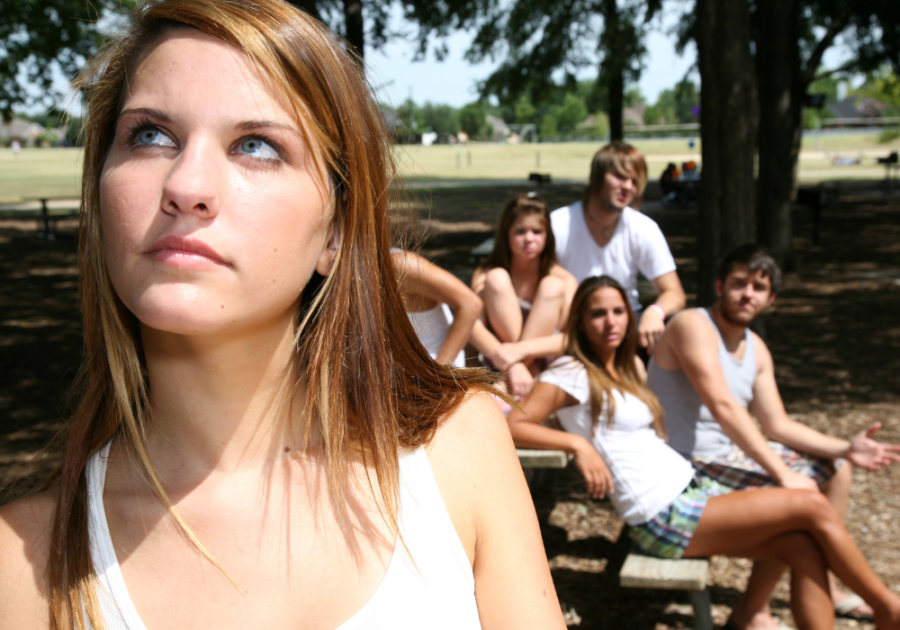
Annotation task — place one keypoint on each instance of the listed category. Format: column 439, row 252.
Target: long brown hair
column 600, row 381
column 371, row 388
column 521, row 205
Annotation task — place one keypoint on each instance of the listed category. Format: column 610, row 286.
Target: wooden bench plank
column 646, row 572
column 540, row 458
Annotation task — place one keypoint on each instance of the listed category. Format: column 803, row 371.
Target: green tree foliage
column 542, row 46
column 570, row 113
column 472, row 119
column 36, row 36
column 440, row 118
column 674, row 106
column 548, row 126
column 525, row 111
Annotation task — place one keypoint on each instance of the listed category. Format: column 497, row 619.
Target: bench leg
column 702, row 609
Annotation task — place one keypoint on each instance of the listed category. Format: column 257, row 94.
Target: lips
column 183, row 251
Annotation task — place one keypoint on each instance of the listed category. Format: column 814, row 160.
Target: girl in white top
column 261, row 441
column 526, row 293
column 440, row 306
column 613, row 426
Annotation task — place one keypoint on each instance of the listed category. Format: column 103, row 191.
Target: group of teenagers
column 669, row 434
column 269, row 429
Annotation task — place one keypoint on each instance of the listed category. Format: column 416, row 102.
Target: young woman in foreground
column 613, row 426
column 526, row 294
column 262, row 442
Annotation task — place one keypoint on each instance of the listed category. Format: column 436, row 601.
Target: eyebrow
column 246, row 125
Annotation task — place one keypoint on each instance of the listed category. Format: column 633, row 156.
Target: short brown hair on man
column 622, row 157
column 757, row 258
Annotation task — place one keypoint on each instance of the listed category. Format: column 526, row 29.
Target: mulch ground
column 834, row 333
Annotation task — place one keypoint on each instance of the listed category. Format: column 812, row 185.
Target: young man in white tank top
column 707, row 370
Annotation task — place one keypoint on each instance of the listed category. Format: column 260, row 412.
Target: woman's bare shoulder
column 25, row 531
column 472, row 456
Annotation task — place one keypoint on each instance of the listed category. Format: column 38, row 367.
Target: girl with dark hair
column 261, row 441
column 526, row 294
column 613, row 425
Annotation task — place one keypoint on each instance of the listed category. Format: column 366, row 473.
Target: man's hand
column 593, row 469
column 870, row 454
column 650, row 328
column 520, row 380
column 796, row 481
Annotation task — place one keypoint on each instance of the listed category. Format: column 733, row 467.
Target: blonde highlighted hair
column 600, row 382
column 371, row 386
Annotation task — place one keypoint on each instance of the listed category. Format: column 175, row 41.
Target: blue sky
column 453, row 81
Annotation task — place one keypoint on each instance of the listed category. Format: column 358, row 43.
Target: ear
column 771, row 299
column 329, row 252
column 718, row 288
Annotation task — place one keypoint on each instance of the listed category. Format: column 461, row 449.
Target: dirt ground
column 834, row 333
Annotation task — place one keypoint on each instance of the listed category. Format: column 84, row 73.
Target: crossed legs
column 504, row 314
column 802, row 530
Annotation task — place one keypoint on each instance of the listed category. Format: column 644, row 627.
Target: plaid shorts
column 669, row 533
column 739, row 472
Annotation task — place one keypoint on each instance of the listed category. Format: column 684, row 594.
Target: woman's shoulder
column 470, row 454
column 25, row 532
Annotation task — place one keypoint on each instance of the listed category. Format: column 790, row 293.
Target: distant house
column 25, row 131
column 634, row 115
column 857, row 107
column 499, row 130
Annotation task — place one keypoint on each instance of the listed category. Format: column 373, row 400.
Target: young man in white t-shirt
column 603, row 235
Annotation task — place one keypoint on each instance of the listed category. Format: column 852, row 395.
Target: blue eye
column 259, row 149
column 153, row 137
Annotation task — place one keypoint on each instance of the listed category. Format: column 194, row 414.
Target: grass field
column 56, row 172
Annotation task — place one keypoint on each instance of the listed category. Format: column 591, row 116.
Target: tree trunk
column 612, row 67
column 728, row 128
column 310, row 6
column 781, row 92
column 616, row 91
column 353, row 25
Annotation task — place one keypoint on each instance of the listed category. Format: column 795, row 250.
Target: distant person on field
column 603, row 235
column 526, row 294
column 708, row 370
column 16, row 147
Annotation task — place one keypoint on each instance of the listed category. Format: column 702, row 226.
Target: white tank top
column 432, row 327
column 435, row 592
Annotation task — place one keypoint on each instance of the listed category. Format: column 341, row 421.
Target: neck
column 600, row 218
column 608, row 361
column 222, row 404
column 731, row 333
column 524, row 267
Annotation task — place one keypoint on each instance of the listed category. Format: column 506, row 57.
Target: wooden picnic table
column 47, row 233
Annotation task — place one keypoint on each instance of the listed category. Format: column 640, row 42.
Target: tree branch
column 815, row 59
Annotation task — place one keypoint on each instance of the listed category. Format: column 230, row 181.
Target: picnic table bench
column 816, row 198
column 46, row 222
column 891, row 163
column 691, row 575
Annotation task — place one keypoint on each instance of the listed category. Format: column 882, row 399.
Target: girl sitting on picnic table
column 613, row 426
column 261, row 441
column 440, row 306
column 526, row 294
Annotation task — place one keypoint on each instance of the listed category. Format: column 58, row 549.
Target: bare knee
column 817, row 510
column 550, row 288
column 497, row 280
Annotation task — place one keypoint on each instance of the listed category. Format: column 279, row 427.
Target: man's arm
column 694, row 344
column 768, row 408
column 670, row 299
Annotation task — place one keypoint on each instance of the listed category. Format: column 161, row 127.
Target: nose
column 192, row 185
